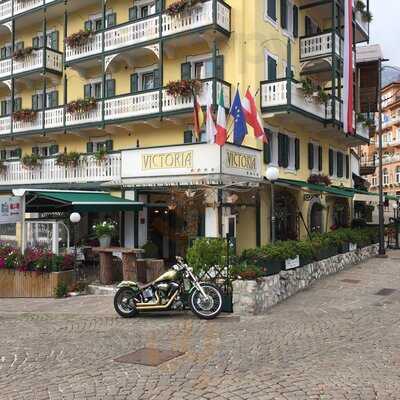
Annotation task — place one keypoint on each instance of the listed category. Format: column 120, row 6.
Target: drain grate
column 386, row 292
column 149, row 357
column 354, row 281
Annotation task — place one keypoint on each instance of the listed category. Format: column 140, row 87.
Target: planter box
column 344, row 248
column 272, row 267
column 32, row 284
column 326, row 252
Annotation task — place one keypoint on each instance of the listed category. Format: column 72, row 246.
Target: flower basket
column 184, row 88
column 316, row 179
column 82, row 105
column 20, row 54
column 179, row 7
column 25, row 115
column 78, row 39
column 104, row 229
column 31, row 161
column 68, row 159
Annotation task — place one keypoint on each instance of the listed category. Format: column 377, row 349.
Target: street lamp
column 75, row 218
column 272, row 175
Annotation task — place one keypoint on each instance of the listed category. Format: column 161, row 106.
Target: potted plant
column 246, row 272
column 104, row 231
column 101, row 155
column 184, row 88
column 319, row 179
column 31, row 161
column 78, row 39
column 68, row 159
column 360, row 6
column 367, row 16
column 82, row 105
column 25, row 115
column 323, row 97
column 268, row 258
column 20, row 54
column 180, row 6
column 307, row 87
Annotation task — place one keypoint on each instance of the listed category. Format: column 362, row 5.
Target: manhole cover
column 386, row 292
column 149, row 357
column 351, row 281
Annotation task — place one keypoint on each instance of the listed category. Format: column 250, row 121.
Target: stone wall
column 256, row 297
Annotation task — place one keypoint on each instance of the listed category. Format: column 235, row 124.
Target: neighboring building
column 133, row 51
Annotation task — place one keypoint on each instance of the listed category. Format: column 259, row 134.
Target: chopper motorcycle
column 174, row 290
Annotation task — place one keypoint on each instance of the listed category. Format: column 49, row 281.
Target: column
column 212, row 214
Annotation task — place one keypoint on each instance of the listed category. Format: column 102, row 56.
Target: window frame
column 267, row 54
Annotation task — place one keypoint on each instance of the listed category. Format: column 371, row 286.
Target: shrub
column 150, row 250
column 246, row 272
column 61, row 290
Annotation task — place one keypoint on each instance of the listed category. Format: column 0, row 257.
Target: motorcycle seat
column 144, row 285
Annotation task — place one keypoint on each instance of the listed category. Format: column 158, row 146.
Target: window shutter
column 110, row 87
column 133, row 13
column 295, row 21
column 36, row 42
column 297, row 153
column 134, row 83
column 310, row 156
column 320, row 166
column 330, row 162
column 54, row 99
column 284, row 13
column 286, row 151
column 219, row 67
column 281, row 139
column 53, row 149
column 187, row 137
column 186, row 71
column 272, row 74
column 308, row 26
column 111, row 20
column 18, row 104
column 35, row 102
column 157, row 78
column 4, row 108
column 19, row 45
column 3, row 154
column 87, row 91
column 3, row 53
column 89, row 147
column 347, row 166
column 88, row 25
column 271, row 12
column 340, row 165
column 18, row 152
column 54, row 40
column 35, row 151
column 267, row 153
column 158, row 6
column 109, row 145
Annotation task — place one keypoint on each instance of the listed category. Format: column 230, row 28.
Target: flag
column 221, row 121
column 198, row 117
column 348, row 77
column 211, row 130
column 239, row 127
column 253, row 117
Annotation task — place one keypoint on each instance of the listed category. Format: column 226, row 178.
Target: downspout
column 103, row 63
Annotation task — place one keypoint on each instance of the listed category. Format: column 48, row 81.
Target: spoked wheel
column 124, row 303
column 208, row 307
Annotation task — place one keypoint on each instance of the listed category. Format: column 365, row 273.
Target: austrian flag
column 253, row 117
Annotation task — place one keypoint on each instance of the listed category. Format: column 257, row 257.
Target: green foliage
column 150, row 250
column 246, row 271
column 206, row 253
column 61, row 290
column 105, row 228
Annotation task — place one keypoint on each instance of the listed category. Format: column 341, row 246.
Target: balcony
column 20, row 7
column 149, row 29
column 32, row 62
column 320, row 45
column 87, row 170
column 391, row 122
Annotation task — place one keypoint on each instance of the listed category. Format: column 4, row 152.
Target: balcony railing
column 88, row 169
column 54, row 62
column 20, row 6
column 148, row 29
column 118, row 108
column 391, row 122
column 320, row 46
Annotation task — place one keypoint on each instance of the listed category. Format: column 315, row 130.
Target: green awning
column 80, row 201
column 335, row 191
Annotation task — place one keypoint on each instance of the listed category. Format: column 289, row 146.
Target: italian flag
column 348, row 76
column 221, row 135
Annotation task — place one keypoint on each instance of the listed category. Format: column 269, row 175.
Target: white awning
column 368, row 198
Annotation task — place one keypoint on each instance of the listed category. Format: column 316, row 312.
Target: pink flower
column 2, row 263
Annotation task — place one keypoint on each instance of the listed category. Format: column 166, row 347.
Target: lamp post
column 272, row 175
column 396, row 223
column 75, row 218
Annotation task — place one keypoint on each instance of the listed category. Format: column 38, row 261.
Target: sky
column 385, row 28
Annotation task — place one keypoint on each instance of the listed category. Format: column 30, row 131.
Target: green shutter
column 18, row 104
column 89, row 147
column 133, row 13
column 35, row 151
column 36, row 42
column 87, row 91
column 157, row 78
column 53, row 99
column 53, row 149
column 286, row 151
column 54, row 40
column 339, row 164
column 18, row 153
column 310, row 156
column 111, row 20
column 88, row 26
column 284, row 14
column 134, row 83
column 186, row 71
column 19, row 45
column 320, row 166
column 219, row 67
column 330, row 162
column 347, row 166
column 109, row 145
column 280, row 149
column 158, row 6
column 3, row 154
column 271, row 9
column 272, row 73
column 35, row 102
column 3, row 53
column 4, row 108
column 267, row 153
column 110, row 87
column 295, row 21
column 297, row 153
column 308, row 26
column 187, row 137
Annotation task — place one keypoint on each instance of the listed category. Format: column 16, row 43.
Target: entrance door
column 316, row 218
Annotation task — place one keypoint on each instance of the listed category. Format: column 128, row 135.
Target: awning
column 80, row 201
column 317, row 188
column 366, row 197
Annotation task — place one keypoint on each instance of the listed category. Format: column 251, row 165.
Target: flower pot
column 344, row 248
column 105, row 241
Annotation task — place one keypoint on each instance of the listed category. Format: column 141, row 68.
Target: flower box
column 326, row 252
column 32, row 284
column 344, row 248
column 271, row 267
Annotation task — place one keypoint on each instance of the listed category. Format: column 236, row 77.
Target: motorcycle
column 177, row 289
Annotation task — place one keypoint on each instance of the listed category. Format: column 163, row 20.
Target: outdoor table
column 129, row 264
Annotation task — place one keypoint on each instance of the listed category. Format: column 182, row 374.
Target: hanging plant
column 68, row 159
column 20, row 54
column 78, row 39
column 3, row 168
column 101, row 155
column 307, row 87
column 317, row 179
column 82, row 105
column 25, row 115
column 184, row 88
column 180, row 6
column 367, row 16
column 323, row 97
column 360, row 6
column 31, row 161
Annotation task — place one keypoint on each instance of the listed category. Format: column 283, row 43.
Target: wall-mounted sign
column 292, row 263
column 170, row 160
column 10, row 209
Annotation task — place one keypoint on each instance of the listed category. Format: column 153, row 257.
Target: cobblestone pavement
column 337, row 340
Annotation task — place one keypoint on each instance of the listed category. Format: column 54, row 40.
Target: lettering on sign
column 173, row 160
column 241, row 161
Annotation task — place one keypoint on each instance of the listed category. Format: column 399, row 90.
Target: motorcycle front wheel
column 208, row 307
column 124, row 303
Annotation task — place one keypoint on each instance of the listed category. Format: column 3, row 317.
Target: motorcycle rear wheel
column 124, row 303
column 208, row 308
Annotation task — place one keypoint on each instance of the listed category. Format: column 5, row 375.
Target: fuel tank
column 170, row 275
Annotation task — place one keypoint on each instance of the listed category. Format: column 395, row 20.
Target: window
column 11, row 153
column 374, row 180
column 201, row 67
column 95, row 88
column 97, row 144
column 52, row 40
column 148, row 81
column 289, row 18
column 270, row 12
column 398, row 175
column 6, row 51
column 142, row 9
column 45, row 150
column 311, row 27
column 339, row 164
column 6, row 106
column 51, row 100
column 190, row 137
column 385, row 176
column 271, row 64
column 314, row 157
column 145, row 79
column 95, row 22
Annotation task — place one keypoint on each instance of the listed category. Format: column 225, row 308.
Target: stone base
column 257, row 297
